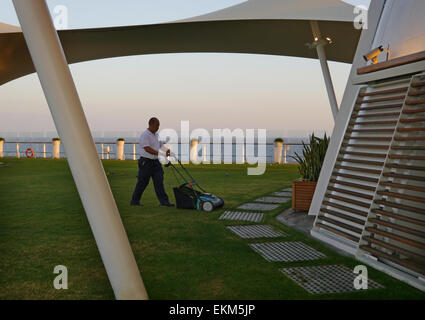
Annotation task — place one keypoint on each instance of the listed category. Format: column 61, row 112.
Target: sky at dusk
column 285, row 95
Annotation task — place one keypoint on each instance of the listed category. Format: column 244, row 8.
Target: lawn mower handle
column 193, row 182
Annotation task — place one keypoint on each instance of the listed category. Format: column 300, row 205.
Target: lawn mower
column 186, row 194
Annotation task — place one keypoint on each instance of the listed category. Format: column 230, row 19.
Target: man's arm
column 150, row 150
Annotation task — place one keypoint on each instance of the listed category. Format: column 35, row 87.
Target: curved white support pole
column 62, row 97
column 320, row 47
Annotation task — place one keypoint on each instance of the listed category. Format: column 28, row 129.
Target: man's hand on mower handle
column 171, row 154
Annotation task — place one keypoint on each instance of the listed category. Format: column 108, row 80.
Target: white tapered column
column 1, row 147
column 320, row 47
column 134, row 151
column 56, row 145
column 120, row 149
column 278, row 147
column 204, row 153
column 194, row 151
column 61, row 95
column 286, row 149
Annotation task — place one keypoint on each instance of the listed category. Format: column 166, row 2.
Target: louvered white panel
column 395, row 230
column 360, row 161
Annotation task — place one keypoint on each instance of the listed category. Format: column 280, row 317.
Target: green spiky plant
column 313, row 155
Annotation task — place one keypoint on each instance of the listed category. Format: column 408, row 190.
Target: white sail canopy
column 321, row 10
column 274, row 27
column 7, row 28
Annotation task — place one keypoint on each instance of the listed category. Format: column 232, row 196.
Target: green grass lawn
column 182, row 254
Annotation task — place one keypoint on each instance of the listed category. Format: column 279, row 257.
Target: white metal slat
column 373, row 216
column 350, row 157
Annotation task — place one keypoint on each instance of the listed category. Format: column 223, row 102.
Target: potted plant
column 309, row 166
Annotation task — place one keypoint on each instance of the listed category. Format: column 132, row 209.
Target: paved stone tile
column 326, row 279
column 283, row 194
column 258, row 206
column 272, row 199
column 286, row 251
column 289, row 189
column 242, row 216
column 256, row 231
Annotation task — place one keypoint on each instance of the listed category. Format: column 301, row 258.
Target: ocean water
column 36, row 143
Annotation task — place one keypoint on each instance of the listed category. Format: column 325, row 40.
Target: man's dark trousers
column 150, row 168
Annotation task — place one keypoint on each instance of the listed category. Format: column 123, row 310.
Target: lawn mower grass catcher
column 187, row 197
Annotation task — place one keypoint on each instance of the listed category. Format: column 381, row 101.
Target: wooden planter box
column 302, row 194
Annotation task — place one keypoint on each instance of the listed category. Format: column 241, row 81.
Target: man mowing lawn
column 149, row 166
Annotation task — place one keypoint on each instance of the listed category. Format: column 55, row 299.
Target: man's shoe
column 167, row 204
column 136, row 204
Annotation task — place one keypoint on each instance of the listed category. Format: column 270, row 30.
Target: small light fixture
column 318, row 42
